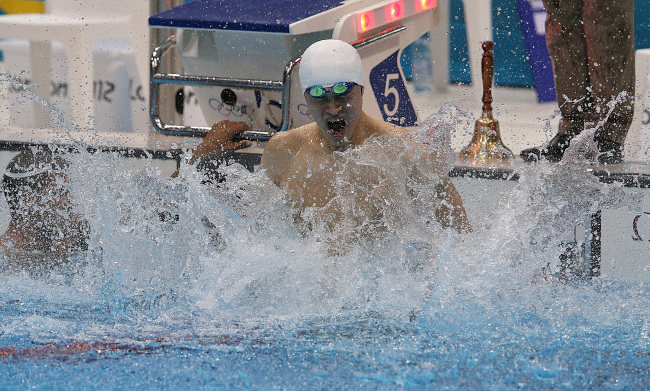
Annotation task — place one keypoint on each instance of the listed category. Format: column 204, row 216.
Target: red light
column 364, row 22
column 393, row 11
column 423, row 5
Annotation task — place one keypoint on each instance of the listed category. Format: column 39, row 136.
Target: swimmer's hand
column 221, row 139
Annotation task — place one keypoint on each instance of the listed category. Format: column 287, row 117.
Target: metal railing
column 157, row 79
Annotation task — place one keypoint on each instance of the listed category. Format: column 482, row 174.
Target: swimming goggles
column 338, row 89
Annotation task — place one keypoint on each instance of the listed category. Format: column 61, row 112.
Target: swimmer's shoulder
column 289, row 141
column 283, row 147
column 387, row 129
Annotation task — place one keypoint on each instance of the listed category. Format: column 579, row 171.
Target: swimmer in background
column 302, row 160
column 44, row 227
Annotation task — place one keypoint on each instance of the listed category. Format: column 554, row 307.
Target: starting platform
column 240, row 58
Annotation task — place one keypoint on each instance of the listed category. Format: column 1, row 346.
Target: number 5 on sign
column 390, row 92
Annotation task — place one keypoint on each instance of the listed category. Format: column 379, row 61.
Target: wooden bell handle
column 487, row 68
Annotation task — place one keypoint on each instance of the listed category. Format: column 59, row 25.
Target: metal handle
column 157, row 78
column 487, row 70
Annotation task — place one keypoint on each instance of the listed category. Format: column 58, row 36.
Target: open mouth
column 336, row 127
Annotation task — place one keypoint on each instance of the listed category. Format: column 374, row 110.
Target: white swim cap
column 331, row 61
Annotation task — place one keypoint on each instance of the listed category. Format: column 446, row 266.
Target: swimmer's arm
column 221, row 139
column 277, row 155
column 451, row 212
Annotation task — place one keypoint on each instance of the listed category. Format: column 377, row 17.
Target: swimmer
column 43, row 221
column 302, row 160
column 305, row 161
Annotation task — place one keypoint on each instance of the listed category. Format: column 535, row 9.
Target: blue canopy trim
column 273, row 16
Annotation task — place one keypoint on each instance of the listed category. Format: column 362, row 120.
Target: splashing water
column 214, row 285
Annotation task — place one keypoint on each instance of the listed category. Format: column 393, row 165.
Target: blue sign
column 533, row 17
column 390, row 91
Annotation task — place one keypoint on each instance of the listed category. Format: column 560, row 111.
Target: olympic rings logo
column 226, row 110
column 304, row 110
column 239, row 111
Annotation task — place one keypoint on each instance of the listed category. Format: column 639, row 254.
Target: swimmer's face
column 337, row 115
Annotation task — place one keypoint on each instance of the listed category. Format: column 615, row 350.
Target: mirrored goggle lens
column 338, row 88
column 316, row 91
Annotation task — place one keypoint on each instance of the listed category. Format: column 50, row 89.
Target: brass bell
column 486, row 144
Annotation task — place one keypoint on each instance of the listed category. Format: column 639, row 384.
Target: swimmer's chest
column 310, row 177
column 313, row 178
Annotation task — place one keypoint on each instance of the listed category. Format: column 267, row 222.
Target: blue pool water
column 251, row 302
column 457, row 347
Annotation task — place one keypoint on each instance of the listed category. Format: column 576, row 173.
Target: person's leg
column 566, row 42
column 565, row 39
column 609, row 30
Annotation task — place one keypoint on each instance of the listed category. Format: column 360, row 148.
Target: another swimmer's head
column 332, row 76
column 30, row 179
column 43, row 216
